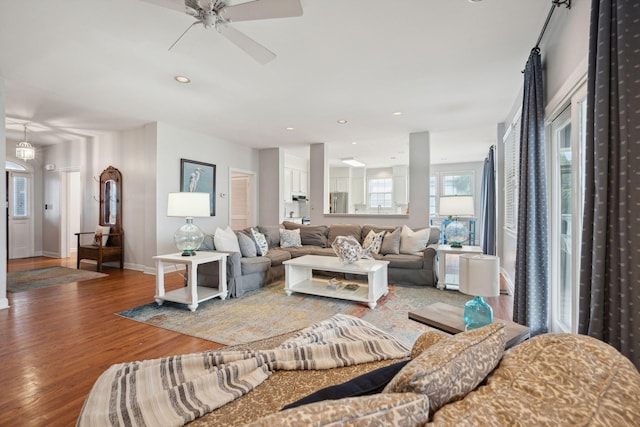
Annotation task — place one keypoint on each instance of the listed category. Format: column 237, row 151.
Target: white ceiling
column 452, row 67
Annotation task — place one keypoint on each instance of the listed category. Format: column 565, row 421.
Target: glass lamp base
column 188, row 238
column 477, row 313
column 456, row 234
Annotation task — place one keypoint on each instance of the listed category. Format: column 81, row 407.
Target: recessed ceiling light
column 352, row 162
column 397, row 113
column 290, row 129
column 475, row 1
column 354, row 143
column 182, row 79
column 342, row 121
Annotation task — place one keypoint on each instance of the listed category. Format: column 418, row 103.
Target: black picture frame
column 199, row 177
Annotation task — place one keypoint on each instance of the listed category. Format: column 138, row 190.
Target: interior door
column 240, row 201
column 20, row 215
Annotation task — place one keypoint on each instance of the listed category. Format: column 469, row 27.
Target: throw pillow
column 262, row 247
column 452, row 367
column 290, row 238
column 413, row 242
column 314, row 235
column 405, row 409
column 226, row 240
column 102, row 235
column 391, row 242
column 425, row 341
column 247, row 246
column 373, row 241
column 363, row 385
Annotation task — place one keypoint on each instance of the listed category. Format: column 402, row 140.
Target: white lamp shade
column 480, row 275
column 188, row 205
column 456, row 206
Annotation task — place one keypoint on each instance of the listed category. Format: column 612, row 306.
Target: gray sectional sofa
column 246, row 273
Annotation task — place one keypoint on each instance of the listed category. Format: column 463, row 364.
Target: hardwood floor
column 56, row 341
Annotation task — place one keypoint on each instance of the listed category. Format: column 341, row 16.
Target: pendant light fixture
column 24, row 150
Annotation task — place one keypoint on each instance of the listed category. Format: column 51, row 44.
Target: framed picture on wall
column 199, row 177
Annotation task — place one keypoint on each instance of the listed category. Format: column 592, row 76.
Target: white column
column 4, row 302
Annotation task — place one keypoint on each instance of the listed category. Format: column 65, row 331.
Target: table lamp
column 189, row 237
column 454, row 206
column 480, row 277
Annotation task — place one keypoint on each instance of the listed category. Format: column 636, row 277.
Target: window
column 380, row 193
column 566, row 141
column 511, row 174
column 433, row 195
column 20, row 207
column 457, row 185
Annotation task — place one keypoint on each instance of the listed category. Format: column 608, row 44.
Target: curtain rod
column 554, row 4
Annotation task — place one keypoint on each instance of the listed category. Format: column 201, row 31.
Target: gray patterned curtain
column 488, row 207
column 610, row 257
column 530, row 304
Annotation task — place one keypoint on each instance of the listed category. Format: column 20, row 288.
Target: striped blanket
column 175, row 390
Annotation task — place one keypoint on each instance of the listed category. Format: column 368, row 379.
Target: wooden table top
column 449, row 318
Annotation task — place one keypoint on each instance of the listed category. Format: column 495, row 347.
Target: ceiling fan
column 219, row 15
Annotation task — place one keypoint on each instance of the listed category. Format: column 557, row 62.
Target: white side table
column 443, row 250
column 192, row 294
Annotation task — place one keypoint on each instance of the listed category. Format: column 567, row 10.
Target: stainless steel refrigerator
column 339, row 202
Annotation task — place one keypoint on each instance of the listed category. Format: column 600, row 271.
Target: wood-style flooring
column 56, row 341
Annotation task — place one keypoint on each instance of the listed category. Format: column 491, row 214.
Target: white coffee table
column 443, row 250
column 191, row 294
column 298, row 278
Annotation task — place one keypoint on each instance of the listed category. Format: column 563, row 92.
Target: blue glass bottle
column 477, row 313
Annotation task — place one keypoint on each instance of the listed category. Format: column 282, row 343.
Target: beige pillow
column 405, row 409
column 391, row 242
column 452, row 367
column 425, row 341
column 413, row 242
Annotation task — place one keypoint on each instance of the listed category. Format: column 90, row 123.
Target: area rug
column 20, row 281
column 269, row 311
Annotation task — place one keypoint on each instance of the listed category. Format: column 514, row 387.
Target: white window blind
column 511, row 174
column 20, row 207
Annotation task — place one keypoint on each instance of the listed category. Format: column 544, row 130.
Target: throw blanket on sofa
column 175, row 390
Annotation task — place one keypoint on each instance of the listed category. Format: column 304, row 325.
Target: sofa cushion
column 410, row 262
column 425, row 341
column 262, row 246
column 257, row 264
column 290, row 238
column 391, row 242
column 412, row 241
column 226, row 240
column 336, row 230
column 363, row 385
column 247, row 246
column 452, row 367
column 315, row 235
column 272, row 233
column 373, row 241
column 405, row 409
column 278, row 256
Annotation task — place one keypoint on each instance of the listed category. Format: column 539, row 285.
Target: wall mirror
column 369, row 179
column 110, row 194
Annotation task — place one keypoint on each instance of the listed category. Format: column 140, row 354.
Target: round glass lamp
column 480, row 277
column 456, row 232
column 189, row 237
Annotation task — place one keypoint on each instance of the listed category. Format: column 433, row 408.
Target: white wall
column 564, row 50
column 173, row 144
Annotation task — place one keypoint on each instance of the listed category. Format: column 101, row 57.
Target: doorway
column 20, row 218
column 242, row 199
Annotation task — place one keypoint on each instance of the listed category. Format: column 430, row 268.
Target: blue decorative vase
column 477, row 313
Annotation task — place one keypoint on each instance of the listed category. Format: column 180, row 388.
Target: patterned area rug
column 269, row 311
column 20, row 281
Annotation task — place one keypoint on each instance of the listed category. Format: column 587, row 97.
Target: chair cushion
column 278, row 256
column 253, row 265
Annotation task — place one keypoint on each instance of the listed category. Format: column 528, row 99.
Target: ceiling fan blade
column 246, row 43
column 262, row 9
column 177, row 5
